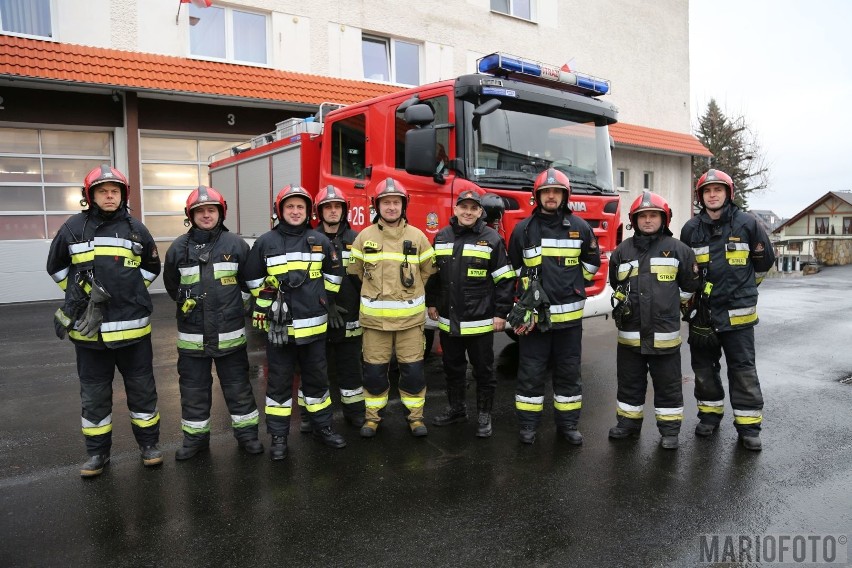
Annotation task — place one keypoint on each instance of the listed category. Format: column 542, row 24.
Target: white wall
column 642, row 47
column 671, row 180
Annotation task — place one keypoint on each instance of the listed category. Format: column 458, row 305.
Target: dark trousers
column 480, row 351
column 633, row 370
column 344, row 357
column 310, row 358
column 196, row 386
column 561, row 349
column 96, row 368
column 743, row 384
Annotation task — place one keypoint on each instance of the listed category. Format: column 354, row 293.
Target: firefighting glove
column 93, row 316
column 702, row 335
column 335, row 315
column 261, row 304
column 278, row 318
column 76, row 301
column 542, row 303
column 521, row 315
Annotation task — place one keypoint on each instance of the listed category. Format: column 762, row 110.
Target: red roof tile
column 23, row 57
column 654, row 139
column 38, row 59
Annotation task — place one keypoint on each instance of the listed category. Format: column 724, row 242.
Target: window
column 171, row 168
column 390, row 60
column 229, row 34
column 847, row 226
column 348, row 145
column 26, row 17
column 621, row 180
column 518, row 8
column 441, row 106
column 821, row 226
column 41, row 172
column 648, row 180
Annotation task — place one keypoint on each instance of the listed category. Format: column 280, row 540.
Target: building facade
column 155, row 87
column 820, row 233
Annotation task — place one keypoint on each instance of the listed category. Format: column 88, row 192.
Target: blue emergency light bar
column 531, row 71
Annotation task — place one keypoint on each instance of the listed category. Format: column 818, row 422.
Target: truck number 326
column 356, row 216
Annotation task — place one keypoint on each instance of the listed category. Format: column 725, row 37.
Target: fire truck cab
column 498, row 128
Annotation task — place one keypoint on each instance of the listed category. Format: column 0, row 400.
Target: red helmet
column 387, row 188
column 465, row 189
column 203, row 195
column 292, row 191
column 551, row 177
column 331, row 194
column 103, row 174
column 650, row 202
column 714, row 176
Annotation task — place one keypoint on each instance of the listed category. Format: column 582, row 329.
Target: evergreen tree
column 735, row 152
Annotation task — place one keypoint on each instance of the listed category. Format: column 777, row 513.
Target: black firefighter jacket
column 308, row 270
column 475, row 280
column 734, row 254
column 203, row 273
column 561, row 251
column 121, row 254
column 349, row 296
column 657, row 272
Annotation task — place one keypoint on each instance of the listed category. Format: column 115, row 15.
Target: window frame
column 52, row 22
column 619, row 174
column 824, row 221
column 229, row 34
column 846, row 226
column 512, row 12
column 390, row 44
column 648, row 181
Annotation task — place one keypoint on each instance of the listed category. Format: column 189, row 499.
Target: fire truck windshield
column 509, row 146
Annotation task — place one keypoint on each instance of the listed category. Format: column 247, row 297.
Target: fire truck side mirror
column 419, row 115
column 420, row 151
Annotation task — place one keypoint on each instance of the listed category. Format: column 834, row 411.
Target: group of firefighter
column 324, row 295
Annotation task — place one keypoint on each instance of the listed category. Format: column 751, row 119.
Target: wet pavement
column 449, row 499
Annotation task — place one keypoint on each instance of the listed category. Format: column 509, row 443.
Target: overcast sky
column 786, row 66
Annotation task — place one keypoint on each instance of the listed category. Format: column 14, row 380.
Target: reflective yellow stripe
column 275, row 409
column 630, row 414
column 125, row 334
column 748, row 419
column 743, row 316
column 146, row 422
column 97, row 430
column 711, row 409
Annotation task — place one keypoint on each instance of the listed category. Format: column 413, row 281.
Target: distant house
column 821, row 232
column 768, row 219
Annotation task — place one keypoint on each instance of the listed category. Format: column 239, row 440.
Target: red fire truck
column 498, row 128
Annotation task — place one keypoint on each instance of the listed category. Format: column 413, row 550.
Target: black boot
column 353, row 414
column 94, row 466
column 278, row 449
column 527, row 434
column 457, row 409
column 151, row 455
column 484, row 402
column 625, row 428
column 572, row 435
column 751, row 441
column 188, row 451
column 305, row 422
column 329, row 437
column 254, row 446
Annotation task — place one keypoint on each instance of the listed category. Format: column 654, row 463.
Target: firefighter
column 344, row 341
column 393, row 260
column 557, row 254
column 104, row 260
column 652, row 273
column 203, row 273
column 470, row 298
column 294, row 274
column 734, row 254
